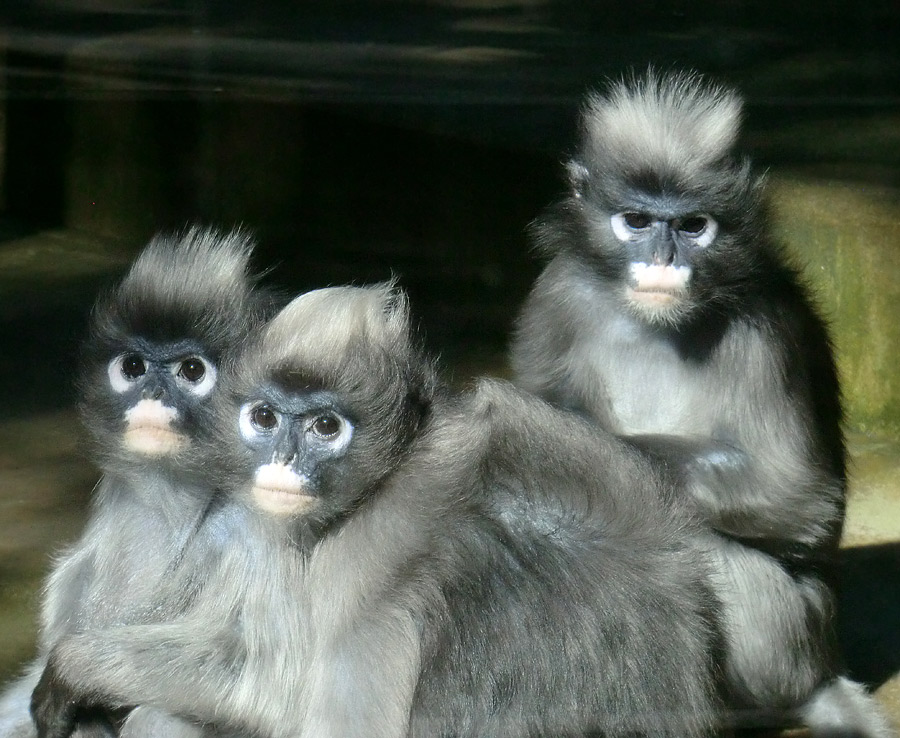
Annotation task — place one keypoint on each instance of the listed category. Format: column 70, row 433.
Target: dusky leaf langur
column 406, row 561
column 668, row 314
column 149, row 370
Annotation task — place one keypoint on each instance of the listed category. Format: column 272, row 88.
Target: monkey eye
column 701, row 229
column 125, row 370
column 628, row 225
column 263, row 418
column 326, row 426
column 693, row 225
column 332, row 429
column 192, row 369
column 195, row 374
column 133, row 366
column 258, row 419
column 636, row 221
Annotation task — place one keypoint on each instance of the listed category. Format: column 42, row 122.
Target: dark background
column 364, row 139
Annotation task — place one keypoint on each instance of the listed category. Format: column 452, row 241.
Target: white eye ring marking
column 249, row 429
column 705, row 237
column 625, row 233
column 117, row 379
column 340, row 439
column 204, row 386
column 621, row 229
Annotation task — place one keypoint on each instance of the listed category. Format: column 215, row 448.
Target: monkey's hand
column 689, row 460
column 55, row 705
column 712, row 471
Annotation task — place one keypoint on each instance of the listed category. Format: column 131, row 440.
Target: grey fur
column 732, row 386
column 15, row 719
column 495, row 567
column 191, row 293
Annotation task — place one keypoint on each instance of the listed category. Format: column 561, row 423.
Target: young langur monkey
column 667, row 314
column 150, row 368
column 410, row 562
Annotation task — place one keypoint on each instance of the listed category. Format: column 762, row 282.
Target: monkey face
column 650, row 243
column 154, row 396
column 149, row 365
column 649, row 236
column 296, row 446
column 661, row 249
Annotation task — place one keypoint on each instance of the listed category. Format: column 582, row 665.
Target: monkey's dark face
column 150, row 399
column 297, row 444
column 309, row 449
column 661, row 247
column 664, row 249
column 149, row 365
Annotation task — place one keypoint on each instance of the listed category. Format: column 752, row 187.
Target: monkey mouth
column 652, row 297
column 279, row 490
column 149, row 431
column 153, row 440
column 653, row 285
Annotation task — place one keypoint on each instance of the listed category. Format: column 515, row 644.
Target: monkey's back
column 569, row 601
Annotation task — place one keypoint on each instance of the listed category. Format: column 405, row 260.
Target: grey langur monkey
column 149, row 370
column 668, row 314
column 407, row 561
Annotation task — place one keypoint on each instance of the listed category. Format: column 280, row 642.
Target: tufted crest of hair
column 665, row 123
column 192, row 286
column 322, row 326
column 356, row 342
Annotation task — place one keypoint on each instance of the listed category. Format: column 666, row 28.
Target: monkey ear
column 578, row 176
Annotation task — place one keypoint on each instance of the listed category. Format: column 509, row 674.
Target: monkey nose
column 152, row 393
column 663, row 247
column 664, row 255
column 285, row 458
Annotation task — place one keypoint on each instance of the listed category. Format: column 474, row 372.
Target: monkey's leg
column 750, row 495
column 150, row 722
column 776, row 628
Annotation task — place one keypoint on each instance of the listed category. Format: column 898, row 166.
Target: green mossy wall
column 847, row 238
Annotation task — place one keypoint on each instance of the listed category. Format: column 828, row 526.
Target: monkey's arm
column 180, row 666
column 775, row 501
column 360, row 681
column 64, row 603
